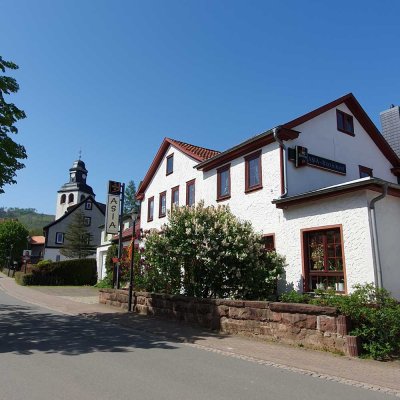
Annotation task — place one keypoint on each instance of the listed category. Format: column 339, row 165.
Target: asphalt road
column 50, row 356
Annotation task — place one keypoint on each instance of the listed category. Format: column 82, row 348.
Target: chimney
column 390, row 121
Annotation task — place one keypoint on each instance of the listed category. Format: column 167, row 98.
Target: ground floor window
column 323, row 259
column 269, row 242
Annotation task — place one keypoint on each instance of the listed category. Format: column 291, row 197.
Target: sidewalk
column 369, row 374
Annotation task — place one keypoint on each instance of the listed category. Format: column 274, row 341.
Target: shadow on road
column 24, row 330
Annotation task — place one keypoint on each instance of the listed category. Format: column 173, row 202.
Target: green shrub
column 294, row 297
column 43, row 262
column 23, row 279
column 375, row 317
column 207, row 252
column 70, row 272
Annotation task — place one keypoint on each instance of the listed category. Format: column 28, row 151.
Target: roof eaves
column 364, row 183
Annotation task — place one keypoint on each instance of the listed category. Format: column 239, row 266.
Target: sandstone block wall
column 298, row 324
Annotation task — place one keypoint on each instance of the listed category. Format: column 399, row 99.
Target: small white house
column 322, row 188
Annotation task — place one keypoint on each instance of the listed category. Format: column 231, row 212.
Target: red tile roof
column 37, row 240
column 196, row 152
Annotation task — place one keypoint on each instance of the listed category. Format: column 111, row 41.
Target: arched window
column 82, row 197
column 70, row 198
column 63, row 198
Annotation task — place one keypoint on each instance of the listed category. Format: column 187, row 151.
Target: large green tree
column 13, row 239
column 10, row 152
column 130, row 197
column 77, row 238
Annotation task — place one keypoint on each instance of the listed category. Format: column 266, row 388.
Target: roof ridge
column 194, row 145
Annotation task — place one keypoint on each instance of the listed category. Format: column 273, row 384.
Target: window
column 224, row 182
column 323, row 259
column 150, row 209
column 365, row 171
column 344, row 122
column 253, row 172
column 86, row 238
column 175, row 196
column 269, row 242
column 170, row 164
column 190, row 193
column 88, row 205
column 87, row 221
column 63, row 199
column 59, row 237
column 162, row 205
column 70, row 198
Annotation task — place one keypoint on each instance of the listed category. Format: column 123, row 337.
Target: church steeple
column 75, row 190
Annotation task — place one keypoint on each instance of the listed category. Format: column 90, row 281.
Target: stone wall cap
column 302, row 308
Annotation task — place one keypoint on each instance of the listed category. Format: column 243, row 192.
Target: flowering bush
column 208, row 252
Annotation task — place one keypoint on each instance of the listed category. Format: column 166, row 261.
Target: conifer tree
column 77, row 239
column 130, row 197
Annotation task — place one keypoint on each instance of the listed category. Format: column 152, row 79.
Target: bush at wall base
column 70, row 272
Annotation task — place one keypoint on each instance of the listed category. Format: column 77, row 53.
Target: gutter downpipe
column 283, row 147
column 375, row 243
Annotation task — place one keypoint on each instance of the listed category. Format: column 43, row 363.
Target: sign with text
column 301, row 157
column 112, row 214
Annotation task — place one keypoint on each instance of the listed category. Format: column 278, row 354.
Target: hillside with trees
column 29, row 217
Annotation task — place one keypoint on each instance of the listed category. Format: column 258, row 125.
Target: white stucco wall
column 388, row 226
column 351, row 212
column 321, row 137
column 183, row 172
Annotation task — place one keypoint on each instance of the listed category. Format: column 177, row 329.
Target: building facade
column 307, row 185
column 74, row 196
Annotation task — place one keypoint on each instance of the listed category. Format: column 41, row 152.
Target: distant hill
column 29, row 217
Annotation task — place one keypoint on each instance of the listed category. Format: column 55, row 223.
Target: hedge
column 70, row 272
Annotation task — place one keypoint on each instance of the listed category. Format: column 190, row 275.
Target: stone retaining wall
column 298, row 324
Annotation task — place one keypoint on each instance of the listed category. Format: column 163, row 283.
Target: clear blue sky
column 113, row 78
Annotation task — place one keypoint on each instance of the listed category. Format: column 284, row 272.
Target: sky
column 113, row 78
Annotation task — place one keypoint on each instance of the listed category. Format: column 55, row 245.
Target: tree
column 13, row 237
column 10, row 152
column 77, row 238
column 208, row 252
column 130, row 197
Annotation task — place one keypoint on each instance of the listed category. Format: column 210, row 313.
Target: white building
column 73, row 196
column 322, row 188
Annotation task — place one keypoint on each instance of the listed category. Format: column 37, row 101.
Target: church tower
column 75, row 190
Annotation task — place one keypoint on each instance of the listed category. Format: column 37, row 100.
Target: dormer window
column 170, row 164
column 345, row 122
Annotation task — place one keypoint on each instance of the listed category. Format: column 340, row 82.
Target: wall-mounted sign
column 114, row 187
column 300, row 156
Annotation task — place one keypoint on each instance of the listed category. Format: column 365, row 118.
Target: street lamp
column 28, row 239
column 134, row 213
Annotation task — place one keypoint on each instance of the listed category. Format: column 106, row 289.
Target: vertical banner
column 113, row 207
column 112, row 214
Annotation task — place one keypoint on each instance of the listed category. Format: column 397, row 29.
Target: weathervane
column 80, row 154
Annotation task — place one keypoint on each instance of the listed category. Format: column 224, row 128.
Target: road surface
column 45, row 355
